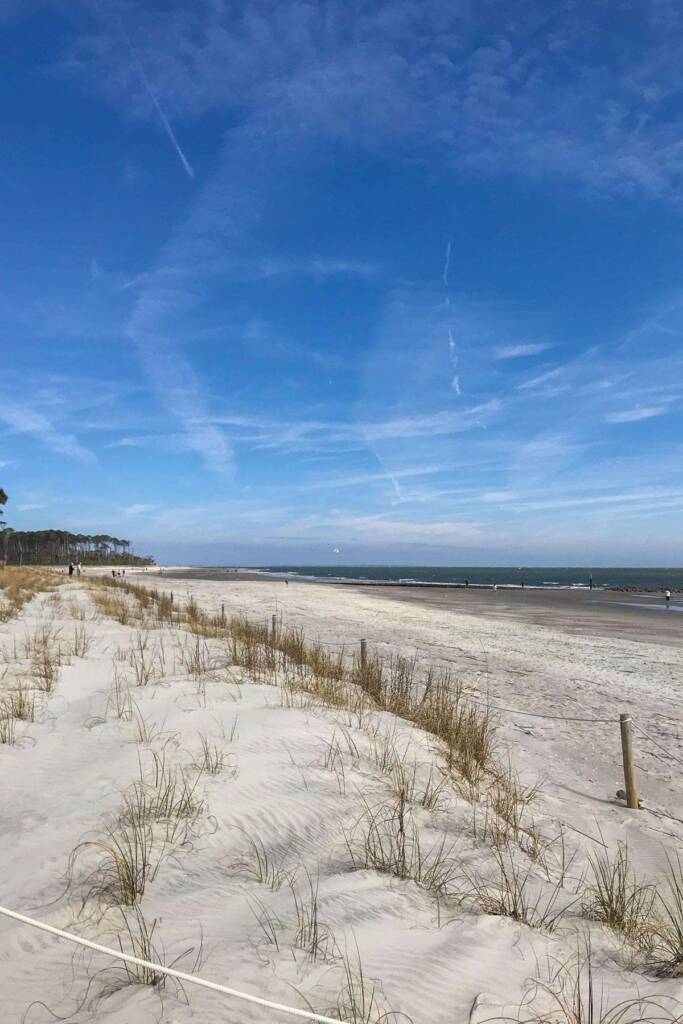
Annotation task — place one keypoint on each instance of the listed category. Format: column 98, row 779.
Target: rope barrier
column 587, row 720
column 668, row 753
column 538, row 714
column 171, row 972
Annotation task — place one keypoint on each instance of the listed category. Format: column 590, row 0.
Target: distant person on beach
column 667, row 598
column 71, row 568
column 590, row 582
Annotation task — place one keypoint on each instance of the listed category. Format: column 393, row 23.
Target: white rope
column 190, row 979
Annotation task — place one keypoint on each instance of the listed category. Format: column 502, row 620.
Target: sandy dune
column 296, row 779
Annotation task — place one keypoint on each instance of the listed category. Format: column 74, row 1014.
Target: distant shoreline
column 634, row 615
column 226, row 573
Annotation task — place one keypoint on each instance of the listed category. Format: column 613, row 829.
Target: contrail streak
column 455, row 383
column 162, row 116
column 447, row 263
column 169, row 131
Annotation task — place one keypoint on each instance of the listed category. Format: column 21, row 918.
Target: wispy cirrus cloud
column 541, row 379
column 21, row 419
column 637, row 414
column 487, row 89
column 520, row 351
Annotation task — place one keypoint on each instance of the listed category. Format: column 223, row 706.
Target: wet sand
column 583, row 613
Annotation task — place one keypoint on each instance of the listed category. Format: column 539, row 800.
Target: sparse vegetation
column 212, row 759
column 387, row 838
column 146, row 659
column 19, row 585
column 666, row 952
column 80, row 642
column 616, row 897
column 569, row 993
column 8, row 733
column 513, row 891
column 360, row 999
column 44, row 650
column 19, row 703
column 261, row 865
column 311, row 936
column 126, row 859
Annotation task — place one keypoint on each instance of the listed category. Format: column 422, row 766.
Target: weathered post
column 626, row 723
column 222, row 614
column 171, row 597
column 274, row 625
column 363, row 655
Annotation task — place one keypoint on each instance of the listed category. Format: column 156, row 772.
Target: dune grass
column 388, row 839
column 513, row 891
column 261, row 865
column 567, row 992
column 126, row 858
column 618, row 899
column 19, row 585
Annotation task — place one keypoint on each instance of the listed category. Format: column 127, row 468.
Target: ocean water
column 486, row 576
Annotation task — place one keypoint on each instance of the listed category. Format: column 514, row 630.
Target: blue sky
column 339, row 281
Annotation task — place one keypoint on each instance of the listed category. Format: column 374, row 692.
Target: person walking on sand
column 667, row 598
column 71, row 568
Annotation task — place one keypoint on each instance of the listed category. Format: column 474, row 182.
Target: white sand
column 70, row 768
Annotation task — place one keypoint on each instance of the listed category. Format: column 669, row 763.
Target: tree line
column 58, row 547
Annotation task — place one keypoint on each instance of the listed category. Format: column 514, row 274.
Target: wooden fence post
column 629, row 766
column 363, row 655
column 171, row 597
column 274, row 625
column 223, row 614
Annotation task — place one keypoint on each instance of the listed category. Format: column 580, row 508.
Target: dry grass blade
column 360, row 999
column 8, row 732
column 20, row 703
column 666, row 955
column 114, row 605
column 617, row 898
column 119, row 700
column 387, row 839
column 146, row 659
column 267, row 920
column 164, row 796
column 126, row 859
column 311, row 936
column 515, row 893
column 139, row 934
column 212, row 758
column 195, row 658
column 261, row 865
column 570, row 994
column 19, row 585
column 80, row 642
